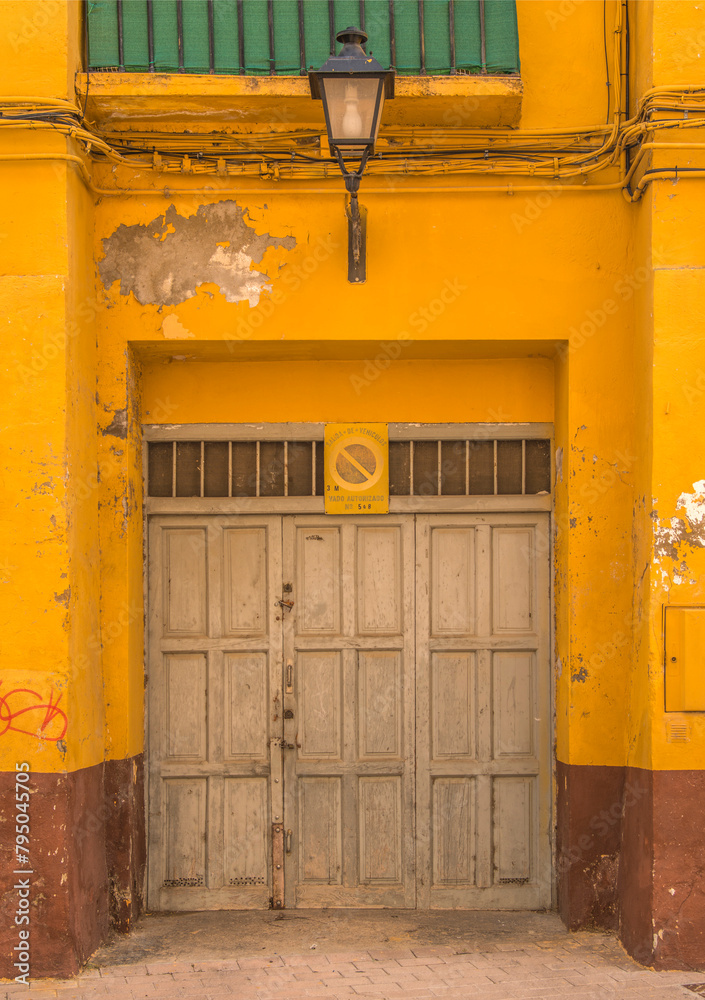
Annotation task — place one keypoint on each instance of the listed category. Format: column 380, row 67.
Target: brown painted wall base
column 679, row 869
column 631, row 856
column 588, row 841
column 86, row 853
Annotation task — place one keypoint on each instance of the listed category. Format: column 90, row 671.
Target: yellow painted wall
column 375, row 390
column 51, row 682
column 538, row 306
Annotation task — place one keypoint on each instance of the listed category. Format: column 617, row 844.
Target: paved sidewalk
column 589, row 967
column 526, row 958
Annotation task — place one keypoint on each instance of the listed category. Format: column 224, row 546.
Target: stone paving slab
column 576, row 967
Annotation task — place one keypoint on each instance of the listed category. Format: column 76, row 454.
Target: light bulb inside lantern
column 352, row 122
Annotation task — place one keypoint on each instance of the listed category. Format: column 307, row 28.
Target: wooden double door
column 349, row 712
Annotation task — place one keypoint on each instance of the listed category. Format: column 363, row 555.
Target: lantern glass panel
column 351, row 106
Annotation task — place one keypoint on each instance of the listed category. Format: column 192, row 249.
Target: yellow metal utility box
column 685, row 659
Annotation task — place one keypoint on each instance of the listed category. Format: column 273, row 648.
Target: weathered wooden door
column 483, row 712
column 346, row 712
column 349, row 711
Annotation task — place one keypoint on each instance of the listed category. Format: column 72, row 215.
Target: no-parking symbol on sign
column 356, row 468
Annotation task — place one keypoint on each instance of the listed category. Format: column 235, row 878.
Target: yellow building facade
column 172, row 271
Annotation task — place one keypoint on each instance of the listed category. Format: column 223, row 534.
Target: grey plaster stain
column 118, row 425
column 163, row 262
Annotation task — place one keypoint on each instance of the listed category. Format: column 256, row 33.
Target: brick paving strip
column 582, row 967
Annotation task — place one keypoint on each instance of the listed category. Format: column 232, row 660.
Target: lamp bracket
column 352, row 177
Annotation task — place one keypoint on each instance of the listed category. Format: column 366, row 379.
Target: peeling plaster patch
column 559, row 465
column 213, row 246
column 173, row 328
column 118, row 425
column 580, row 675
column 64, row 597
column 676, row 532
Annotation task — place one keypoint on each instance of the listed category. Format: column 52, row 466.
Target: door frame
column 314, row 431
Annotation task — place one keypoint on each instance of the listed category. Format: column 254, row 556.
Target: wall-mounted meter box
column 684, row 658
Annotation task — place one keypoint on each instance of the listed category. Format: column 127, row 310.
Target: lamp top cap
column 352, row 34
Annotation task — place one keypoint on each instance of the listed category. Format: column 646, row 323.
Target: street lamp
column 352, row 86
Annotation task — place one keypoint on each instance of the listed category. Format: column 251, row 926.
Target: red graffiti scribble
column 49, row 714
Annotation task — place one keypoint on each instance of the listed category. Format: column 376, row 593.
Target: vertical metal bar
column 422, row 38
column 313, row 468
column 150, row 34
column 302, row 41
column 286, row 468
column 203, row 468
column 440, row 473
column 173, row 468
column 467, row 468
column 361, row 15
column 270, row 21
column 241, row 36
column 230, row 468
column 392, row 36
column 451, row 33
column 211, row 38
column 483, row 43
column 523, row 467
column 180, row 32
column 85, row 44
column 411, row 468
column 257, row 469
column 495, row 468
column 121, row 40
column 331, row 25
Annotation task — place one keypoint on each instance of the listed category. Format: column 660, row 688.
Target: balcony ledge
column 119, row 101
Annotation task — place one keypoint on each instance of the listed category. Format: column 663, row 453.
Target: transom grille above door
column 428, row 467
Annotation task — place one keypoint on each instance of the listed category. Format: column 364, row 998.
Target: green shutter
column 501, row 38
column 102, row 33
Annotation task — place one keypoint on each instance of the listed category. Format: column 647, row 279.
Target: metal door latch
column 286, row 604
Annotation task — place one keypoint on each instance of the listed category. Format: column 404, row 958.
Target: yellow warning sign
column 356, row 459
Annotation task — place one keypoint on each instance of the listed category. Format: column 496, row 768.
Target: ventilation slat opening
column 453, row 461
column 161, row 467
column 425, row 468
column 188, row 469
column 509, row 467
column 481, row 466
column 271, row 468
column 399, row 468
column 216, row 471
column 538, row 467
column 300, row 469
column 244, row 469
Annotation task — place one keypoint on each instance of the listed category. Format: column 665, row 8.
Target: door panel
column 483, row 712
column 214, row 697
column 349, row 762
